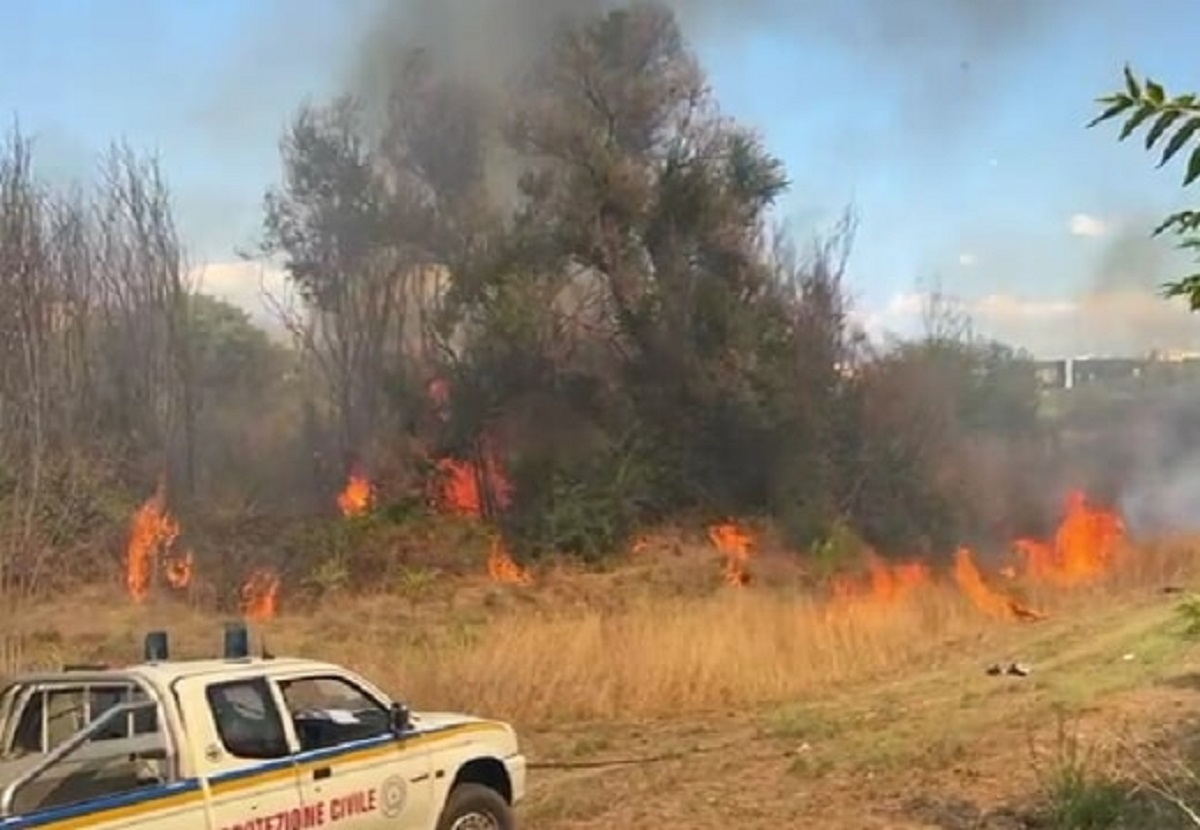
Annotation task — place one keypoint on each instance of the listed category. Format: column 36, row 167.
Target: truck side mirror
column 400, row 720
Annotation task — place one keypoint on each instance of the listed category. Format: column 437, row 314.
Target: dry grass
column 655, row 656
column 812, row 708
column 571, row 649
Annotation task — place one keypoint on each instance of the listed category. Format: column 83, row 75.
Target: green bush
column 588, row 509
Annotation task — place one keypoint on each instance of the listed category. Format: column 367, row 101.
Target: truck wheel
column 476, row 807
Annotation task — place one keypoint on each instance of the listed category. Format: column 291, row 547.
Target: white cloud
column 966, row 259
column 1119, row 322
column 1084, row 224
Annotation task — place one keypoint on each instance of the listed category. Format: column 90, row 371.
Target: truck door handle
column 321, row 773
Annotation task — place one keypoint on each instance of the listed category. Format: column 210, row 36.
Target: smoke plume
column 936, row 64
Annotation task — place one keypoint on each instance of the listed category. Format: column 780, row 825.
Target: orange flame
column 502, row 568
column 986, row 599
column 887, row 583
column 178, row 570
column 357, row 497
column 894, row 582
column 152, row 530
column 459, row 491
column 459, row 488
column 259, row 595
column 1084, row 547
column 736, row 545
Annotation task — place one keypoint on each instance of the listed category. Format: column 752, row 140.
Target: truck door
column 353, row 769
column 240, row 745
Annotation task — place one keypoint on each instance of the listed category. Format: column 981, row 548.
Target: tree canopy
column 588, row 257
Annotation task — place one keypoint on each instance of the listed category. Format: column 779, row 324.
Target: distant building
column 1175, row 356
column 1070, row 372
column 1086, row 370
column 1051, row 374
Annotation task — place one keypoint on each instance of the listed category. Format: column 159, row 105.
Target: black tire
column 467, row 799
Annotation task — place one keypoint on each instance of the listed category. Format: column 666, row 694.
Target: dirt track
column 948, row 748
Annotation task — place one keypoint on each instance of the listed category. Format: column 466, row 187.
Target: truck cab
column 244, row 743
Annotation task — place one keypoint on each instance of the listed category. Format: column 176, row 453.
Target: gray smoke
column 928, row 70
column 1161, row 490
column 940, row 57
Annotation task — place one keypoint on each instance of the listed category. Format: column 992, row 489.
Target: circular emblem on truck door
column 392, row 795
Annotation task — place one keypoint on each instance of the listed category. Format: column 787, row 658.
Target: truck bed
column 94, row 770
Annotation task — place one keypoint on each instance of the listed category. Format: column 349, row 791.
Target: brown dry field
column 654, row 696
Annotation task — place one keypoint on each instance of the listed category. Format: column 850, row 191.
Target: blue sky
column 976, row 192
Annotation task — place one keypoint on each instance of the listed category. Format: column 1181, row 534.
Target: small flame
column 178, row 570
column 736, row 545
column 260, row 595
column 357, row 497
column 986, row 599
column 1084, row 547
column 151, row 531
column 503, row 569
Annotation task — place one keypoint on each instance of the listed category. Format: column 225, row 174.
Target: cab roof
column 163, row 673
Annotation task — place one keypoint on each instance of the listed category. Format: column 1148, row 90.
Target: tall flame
column 1084, row 547
column 460, row 492
column 459, row 488
column 260, row 595
column 152, row 530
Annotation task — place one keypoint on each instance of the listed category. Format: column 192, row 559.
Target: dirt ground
column 940, row 745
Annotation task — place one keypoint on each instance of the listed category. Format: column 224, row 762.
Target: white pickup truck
column 244, row 743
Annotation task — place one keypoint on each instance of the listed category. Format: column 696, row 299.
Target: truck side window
column 103, row 698
column 247, row 719
column 329, row 711
column 64, row 714
column 27, row 736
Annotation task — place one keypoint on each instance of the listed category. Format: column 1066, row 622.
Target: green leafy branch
column 1145, row 103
